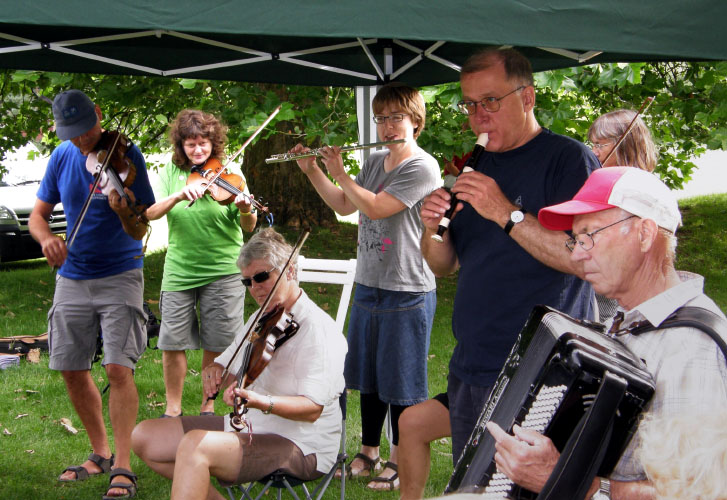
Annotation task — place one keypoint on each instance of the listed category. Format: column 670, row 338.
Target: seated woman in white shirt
column 294, row 419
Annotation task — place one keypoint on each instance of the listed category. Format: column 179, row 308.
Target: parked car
column 16, row 203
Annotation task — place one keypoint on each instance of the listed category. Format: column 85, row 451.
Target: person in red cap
column 623, row 223
column 99, row 287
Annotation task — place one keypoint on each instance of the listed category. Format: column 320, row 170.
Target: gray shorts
column 264, row 454
column 82, row 308
column 221, row 307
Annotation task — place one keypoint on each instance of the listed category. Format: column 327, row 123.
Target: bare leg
column 123, row 408
column 208, row 358
column 155, row 441
column 419, row 425
column 175, row 370
column 86, row 400
column 201, row 454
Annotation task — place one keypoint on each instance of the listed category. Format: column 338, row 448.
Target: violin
column 113, row 170
column 272, row 330
column 222, row 186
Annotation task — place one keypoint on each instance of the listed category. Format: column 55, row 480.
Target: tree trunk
column 282, row 186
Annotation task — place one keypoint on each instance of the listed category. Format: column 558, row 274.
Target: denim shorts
column 388, row 343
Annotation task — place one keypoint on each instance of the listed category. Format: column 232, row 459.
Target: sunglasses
column 260, row 277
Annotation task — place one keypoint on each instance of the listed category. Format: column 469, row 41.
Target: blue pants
column 465, row 406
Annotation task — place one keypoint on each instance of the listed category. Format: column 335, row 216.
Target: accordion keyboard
column 541, row 412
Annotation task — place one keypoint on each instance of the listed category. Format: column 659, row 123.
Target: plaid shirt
column 687, row 365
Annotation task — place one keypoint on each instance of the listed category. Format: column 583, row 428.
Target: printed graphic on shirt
column 375, row 239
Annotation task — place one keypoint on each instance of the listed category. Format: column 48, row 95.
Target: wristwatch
column 515, row 217
column 604, row 490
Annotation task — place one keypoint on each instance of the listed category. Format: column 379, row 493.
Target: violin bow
column 644, row 107
column 239, row 151
column 296, row 250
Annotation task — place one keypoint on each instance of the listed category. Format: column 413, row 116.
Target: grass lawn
column 35, row 448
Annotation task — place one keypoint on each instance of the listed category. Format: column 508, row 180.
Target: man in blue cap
column 99, row 286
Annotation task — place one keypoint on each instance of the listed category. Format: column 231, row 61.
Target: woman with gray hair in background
column 637, row 148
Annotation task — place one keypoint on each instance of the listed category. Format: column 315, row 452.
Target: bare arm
column 485, row 196
column 162, row 207
column 248, row 218
column 349, row 197
column 53, row 246
column 298, row 408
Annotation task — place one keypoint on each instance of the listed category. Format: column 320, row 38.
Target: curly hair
column 684, row 455
column 403, row 97
column 637, row 149
column 270, row 245
column 191, row 123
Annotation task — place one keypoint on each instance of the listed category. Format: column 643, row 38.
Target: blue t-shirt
column 102, row 247
column 499, row 282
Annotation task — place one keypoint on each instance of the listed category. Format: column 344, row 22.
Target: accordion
column 566, row 379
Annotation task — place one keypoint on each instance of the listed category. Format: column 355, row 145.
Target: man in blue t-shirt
column 100, row 284
column 508, row 262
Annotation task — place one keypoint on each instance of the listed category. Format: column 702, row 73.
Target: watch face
column 517, row 216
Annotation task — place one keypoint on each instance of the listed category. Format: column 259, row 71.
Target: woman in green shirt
column 202, row 296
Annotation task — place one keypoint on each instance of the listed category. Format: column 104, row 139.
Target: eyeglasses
column 490, row 104
column 595, row 145
column 260, row 277
column 393, row 118
column 588, row 243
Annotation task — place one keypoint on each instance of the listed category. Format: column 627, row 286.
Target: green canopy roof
column 342, row 42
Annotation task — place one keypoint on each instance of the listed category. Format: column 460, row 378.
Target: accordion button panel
column 539, row 415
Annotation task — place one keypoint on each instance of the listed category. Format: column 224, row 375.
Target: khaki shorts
column 83, row 308
column 265, row 454
column 221, row 308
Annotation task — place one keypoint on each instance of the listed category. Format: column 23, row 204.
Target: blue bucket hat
column 74, row 113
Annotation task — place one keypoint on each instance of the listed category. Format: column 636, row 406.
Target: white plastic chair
column 340, row 272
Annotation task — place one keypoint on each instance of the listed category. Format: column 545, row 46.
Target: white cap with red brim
column 636, row 191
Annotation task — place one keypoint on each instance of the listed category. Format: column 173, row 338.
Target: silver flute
column 317, row 152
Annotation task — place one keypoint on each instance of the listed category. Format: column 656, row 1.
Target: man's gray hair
column 669, row 238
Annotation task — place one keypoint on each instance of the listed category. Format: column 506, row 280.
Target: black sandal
column 82, row 473
column 129, row 487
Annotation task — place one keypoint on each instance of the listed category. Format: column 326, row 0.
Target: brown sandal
column 371, row 465
column 392, row 483
column 82, row 473
column 130, row 487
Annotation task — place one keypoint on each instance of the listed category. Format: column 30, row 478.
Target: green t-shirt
column 204, row 239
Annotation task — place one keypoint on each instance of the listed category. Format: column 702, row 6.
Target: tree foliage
column 687, row 117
